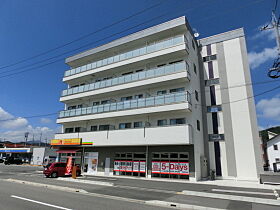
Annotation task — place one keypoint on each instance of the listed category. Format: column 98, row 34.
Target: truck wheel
column 54, row 175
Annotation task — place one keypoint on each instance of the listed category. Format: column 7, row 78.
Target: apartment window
column 175, row 61
column 161, row 92
column 96, row 103
column 69, row 130
column 126, row 98
column 216, row 108
column 71, row 107
column 124, row 125
column 138, row 96
column 209, row 58
column 212, row 82
column 277, row 159
column 80, row 106
column 275, row 147
column 77, row 129
column 127, row 73
column 105, row 102
column 137, row 124
column 162, row 122
column 194, row 68
column 104, row 127
column 177, row 121
column 193, row 44
column 198, row 125
column 160, row 65
column 175, row 90
column 196, row 95
column 93, row 128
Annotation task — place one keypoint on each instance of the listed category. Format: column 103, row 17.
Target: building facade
column 273, row 153
column 159, row 103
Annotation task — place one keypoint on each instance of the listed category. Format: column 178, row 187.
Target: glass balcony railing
column 127, row 55
column 156, row 72
column 131, row 104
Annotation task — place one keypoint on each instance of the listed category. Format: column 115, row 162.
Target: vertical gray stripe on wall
column 230, row 155
column 251, row 104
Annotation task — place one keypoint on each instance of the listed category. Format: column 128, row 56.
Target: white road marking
column 242, row 192
column 39, row 202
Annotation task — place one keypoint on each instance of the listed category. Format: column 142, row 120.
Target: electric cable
column 84, row 36
column 91, row 44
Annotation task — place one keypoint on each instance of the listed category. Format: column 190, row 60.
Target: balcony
column 162, row 103
column 138, row 76
column 143, row 53
column 167, row 135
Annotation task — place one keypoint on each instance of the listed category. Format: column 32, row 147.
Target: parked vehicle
column 58, row 169
column 2, row 160
column 12, row 160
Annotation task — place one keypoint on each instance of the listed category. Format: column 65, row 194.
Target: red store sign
column 180, row 168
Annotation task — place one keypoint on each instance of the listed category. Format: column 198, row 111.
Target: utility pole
column 274, row 71
column 40, row 139
column 26, row 137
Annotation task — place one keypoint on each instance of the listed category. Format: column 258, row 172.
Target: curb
column 233, row 197
column 178, row 205
column 54, row 187
column 110, row 184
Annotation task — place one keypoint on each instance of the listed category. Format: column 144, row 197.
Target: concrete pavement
column 150, row 192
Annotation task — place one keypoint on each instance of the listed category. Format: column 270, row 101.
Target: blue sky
column 31, row 27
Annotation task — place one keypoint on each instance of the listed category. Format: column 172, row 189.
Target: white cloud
column 11, row 122
column 45, row 120
column 266, row 34
column 269, row 108
column 13, row 128
column 258, row 58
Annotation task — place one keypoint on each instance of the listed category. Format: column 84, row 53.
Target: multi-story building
column 159, row 103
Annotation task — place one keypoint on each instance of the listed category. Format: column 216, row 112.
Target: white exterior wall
column 243, row 137
column 271, row 153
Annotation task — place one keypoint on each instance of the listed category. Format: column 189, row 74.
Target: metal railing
column 127, row 55
column 130, row 104
column 156, row 72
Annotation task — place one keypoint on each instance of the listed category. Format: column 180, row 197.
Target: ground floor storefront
column 172, row 161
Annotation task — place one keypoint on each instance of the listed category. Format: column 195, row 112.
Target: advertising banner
column 68, row 166
column 130, row 166
column 156, row 167
column 92, row 163
column 136, row 166
column 76, row 141
column 180, row 168
column 142, row 167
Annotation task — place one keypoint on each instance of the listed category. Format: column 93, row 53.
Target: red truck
column 58, row 169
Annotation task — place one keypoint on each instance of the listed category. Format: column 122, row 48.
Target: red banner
column 163, row 167
column 69, row 166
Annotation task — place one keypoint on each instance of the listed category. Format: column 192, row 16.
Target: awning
column 67, row 151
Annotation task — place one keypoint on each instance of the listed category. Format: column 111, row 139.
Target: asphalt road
column 125, row 194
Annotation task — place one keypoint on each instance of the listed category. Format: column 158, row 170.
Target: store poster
column 68, row 166
column 179, row 168
column 142, row 167
column 136, row 166
column 92, row 163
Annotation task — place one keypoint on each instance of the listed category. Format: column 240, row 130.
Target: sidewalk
column 223, row 183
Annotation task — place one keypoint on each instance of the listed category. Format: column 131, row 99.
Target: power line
column 79, row 48
column 256, row 95
column 8, row 75
column 84, row 36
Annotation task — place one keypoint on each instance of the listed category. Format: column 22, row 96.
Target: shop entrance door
column 107, row 167
column 130, row 164
column 170, row 165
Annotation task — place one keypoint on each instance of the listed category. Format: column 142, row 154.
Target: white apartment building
column 273, row 153
column 159, row 103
